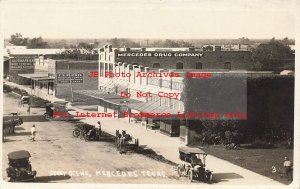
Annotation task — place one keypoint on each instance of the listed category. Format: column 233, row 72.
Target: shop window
column 156, row 65
column 101, row 69
column 198, row 65
column 171, row 103
column 227, row 65
column 179, row 65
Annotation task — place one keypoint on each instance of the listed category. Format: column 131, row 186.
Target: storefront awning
column 33, row 75
column 43, row 79
column 108, row 97
column 152, row 107
column 97, row 94
column 122, row 101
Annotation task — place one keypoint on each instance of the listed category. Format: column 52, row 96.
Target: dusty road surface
column 57, row 156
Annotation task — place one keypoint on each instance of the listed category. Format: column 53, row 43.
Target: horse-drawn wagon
column 126, row 142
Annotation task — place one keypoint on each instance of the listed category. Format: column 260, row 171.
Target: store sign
column 159, row 54
column 66, row 78
column 21, row 63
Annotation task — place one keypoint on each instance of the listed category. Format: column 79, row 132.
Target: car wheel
column 179, row 171
column 210, row 178
column 76, row 133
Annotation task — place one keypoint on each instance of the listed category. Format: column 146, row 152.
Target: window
column 198, row 65
column 179, row 65
column 156, row 65
column 101, row 69
column 227, row 65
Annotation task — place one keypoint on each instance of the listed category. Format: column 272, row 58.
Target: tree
column 270, row 56
column 117, row 43
column 37, row 43
column 244, row 40
column 87, row 46
column 168, row 43
column 17, row 39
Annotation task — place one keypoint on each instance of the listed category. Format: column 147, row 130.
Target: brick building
column 129, row 62
column 22, row 61
column 79, row 73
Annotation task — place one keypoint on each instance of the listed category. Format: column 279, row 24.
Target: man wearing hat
column 288, row 168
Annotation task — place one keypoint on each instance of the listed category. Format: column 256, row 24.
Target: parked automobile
column 20, row 169
column 193, row 165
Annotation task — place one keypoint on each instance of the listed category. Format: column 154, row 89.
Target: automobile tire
column 210, row 178
column 46, row 116
column 76, row 133
column 82, row 135
column 86, row 137
column 178, row 171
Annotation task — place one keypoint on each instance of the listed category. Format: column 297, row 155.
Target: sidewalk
column 225, row 173
column 30, row 91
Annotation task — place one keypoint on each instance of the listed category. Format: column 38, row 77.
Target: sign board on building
column 22, row 62
column 159, row 54
column 62, row 78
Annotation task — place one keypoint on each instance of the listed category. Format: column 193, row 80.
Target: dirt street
column 59, row 157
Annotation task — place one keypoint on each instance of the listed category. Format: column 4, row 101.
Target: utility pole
column 71, row 86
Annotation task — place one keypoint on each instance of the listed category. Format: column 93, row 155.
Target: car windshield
column 19, row 163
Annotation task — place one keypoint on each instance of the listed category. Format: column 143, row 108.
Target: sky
column 183, row 19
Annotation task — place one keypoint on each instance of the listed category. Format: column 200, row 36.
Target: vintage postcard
column 149, row 94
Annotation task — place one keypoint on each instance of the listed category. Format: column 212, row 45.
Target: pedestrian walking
column 288, row 168
column 28, row 109
column 33, row 132
column 98, row 128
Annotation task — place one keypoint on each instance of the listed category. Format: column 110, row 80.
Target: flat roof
column 34, row 51
column 43, row 78
column 75, row 61
column 97, row 94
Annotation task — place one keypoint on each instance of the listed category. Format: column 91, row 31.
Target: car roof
column 191, row 150
column 21, row 154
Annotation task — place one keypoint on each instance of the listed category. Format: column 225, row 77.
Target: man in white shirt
column 288, row 168
column 98, row 128
column 33, row 131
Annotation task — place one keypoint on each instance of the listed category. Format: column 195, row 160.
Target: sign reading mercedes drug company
column 161, row 54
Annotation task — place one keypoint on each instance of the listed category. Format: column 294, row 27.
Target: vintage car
column 193, row 165
column 58, row 111
column 19, row 169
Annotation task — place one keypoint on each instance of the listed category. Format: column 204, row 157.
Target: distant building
column 22, row 61
column 60, row 77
